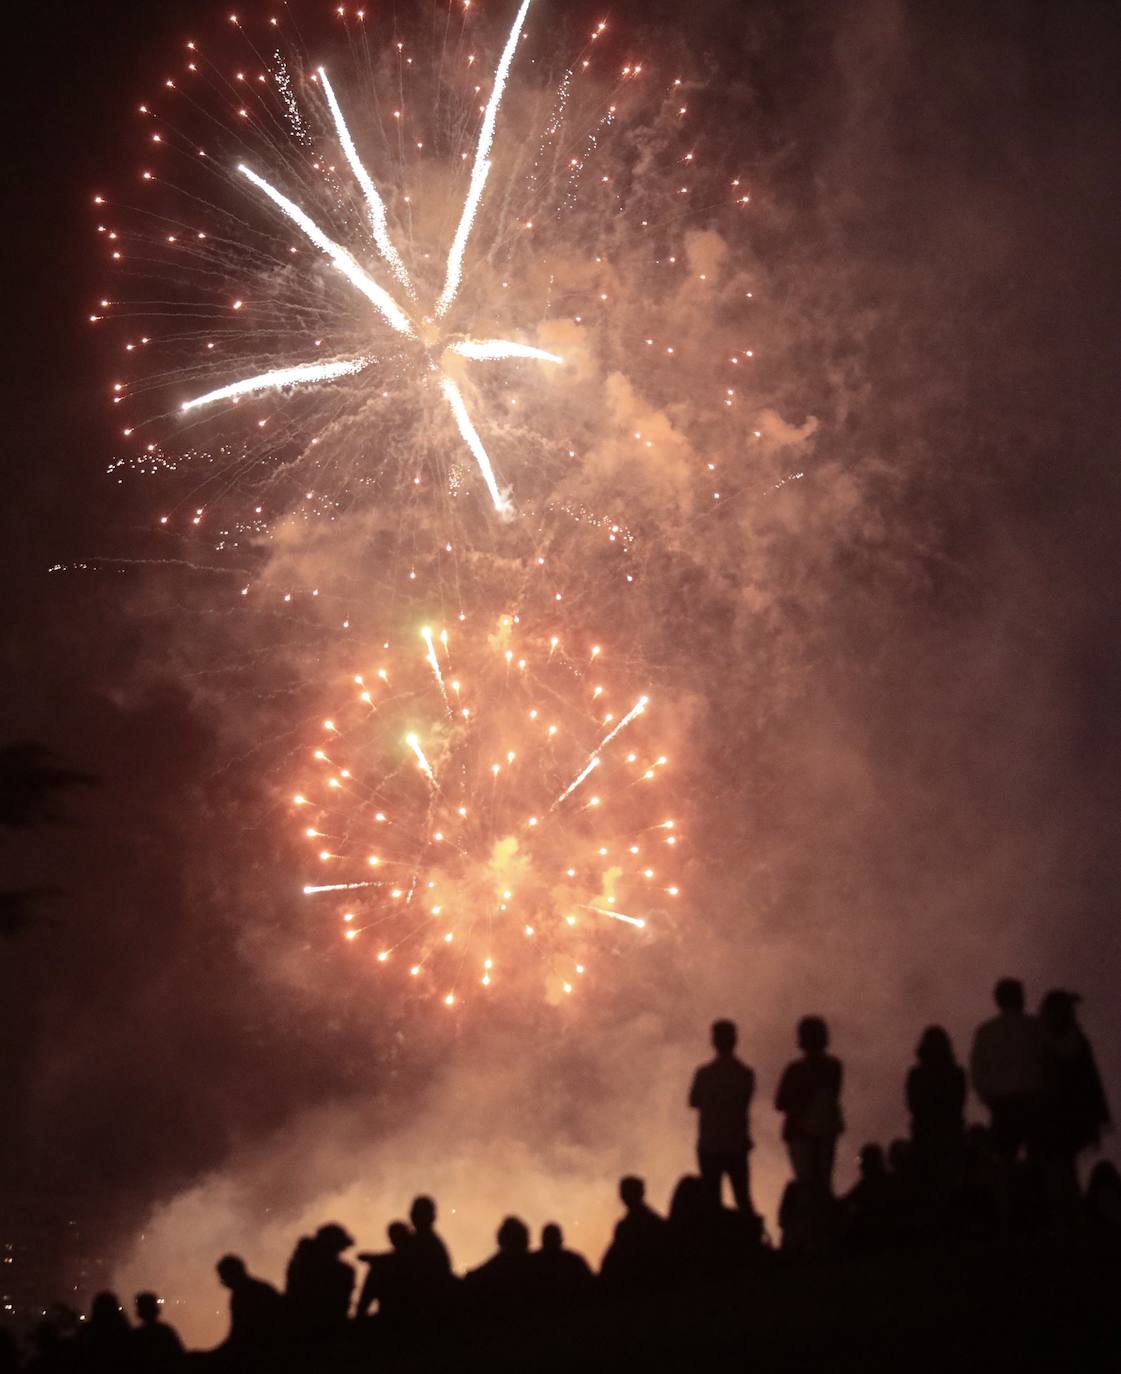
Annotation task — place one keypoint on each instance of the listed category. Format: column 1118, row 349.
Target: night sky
column 905, row 779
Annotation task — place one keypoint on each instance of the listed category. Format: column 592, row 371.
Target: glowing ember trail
column 282, row 377
column 480, row 170
column 593, row 762
column 474, row 443
column 376, row 205
column 425, row 766
column 377, row 295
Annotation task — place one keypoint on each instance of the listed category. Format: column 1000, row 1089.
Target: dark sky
column 938, row 188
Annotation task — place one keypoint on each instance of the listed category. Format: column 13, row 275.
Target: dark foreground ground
column 1010, row 1308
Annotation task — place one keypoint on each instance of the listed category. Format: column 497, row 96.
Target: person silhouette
column 809, row 1096
column 155, row 1346
column 52, row 1353
column 104, row 1340
column 319, row 1283
column 431, row 1262
column 721, row 1094
column 562, row 1277
column 503, row 1285
column 1006, row 1066
column 256, row 1314
column 1073, row 1108
column 868, row 1215
column 388, row 1278
column 638, row 1256
column 935, row 1095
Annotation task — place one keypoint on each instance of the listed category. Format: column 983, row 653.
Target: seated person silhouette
column 154, row 1345
column 256, row 1310
column 562, row 1277
column 638, row 1257
column 430, row 1258
column 868, row 1217
column 389, row 1278
column 503, row 1286
column 319, row 1283
column 105, row 1340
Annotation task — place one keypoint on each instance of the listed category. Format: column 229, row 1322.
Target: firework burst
column 489, row 810
column 351, row 273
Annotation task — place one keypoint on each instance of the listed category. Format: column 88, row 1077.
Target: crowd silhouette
column 946, row 1189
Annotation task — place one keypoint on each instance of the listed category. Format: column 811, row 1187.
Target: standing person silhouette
column 935, row 1096
column 721, row 1094
column 1073, row 1109
column 1006, row 1066
column 809, row 1096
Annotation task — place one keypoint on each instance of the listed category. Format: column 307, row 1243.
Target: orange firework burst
column 489, row 808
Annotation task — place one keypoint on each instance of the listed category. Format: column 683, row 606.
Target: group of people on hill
column 945, row 1184
column 1036, row 1075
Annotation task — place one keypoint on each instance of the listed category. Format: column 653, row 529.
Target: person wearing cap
column 1074, row 1111
column 319, row 1283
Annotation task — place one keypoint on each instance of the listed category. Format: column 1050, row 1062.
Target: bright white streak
column 636, row 710
column 617, row 916
column 589, row 767
column 434, row 664
column 491, row 350
column 593, row 759
column 382, row 301
column 334, row 887
column 426, row 768
column 480, row 169
column 474, row 443
column 374, row 202
column 283, row 376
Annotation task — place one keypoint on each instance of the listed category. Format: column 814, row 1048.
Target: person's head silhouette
column 813, row 1035
column 147, row 1308
column 1009, row 995
column 422, row 1213
column 1057, row 1010
column 334, row 1238
column 105, row 1310
column 934, row 1049
column 724, row 1037
column 399, row 1235
column 513, row 1237
column 552, row 1237
column 632, row 1192
column 231, row 1271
